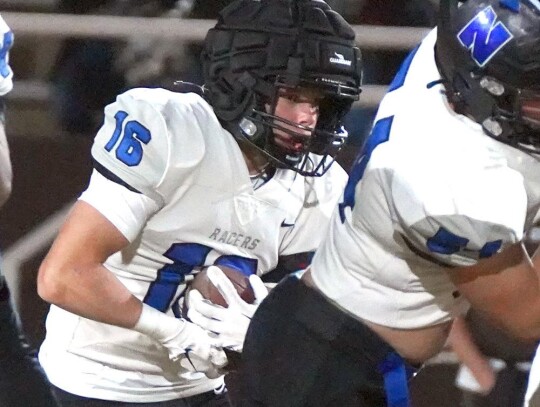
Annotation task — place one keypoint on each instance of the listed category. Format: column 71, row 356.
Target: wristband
column 157, row 325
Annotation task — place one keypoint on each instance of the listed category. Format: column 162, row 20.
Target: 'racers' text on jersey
column 235, row 239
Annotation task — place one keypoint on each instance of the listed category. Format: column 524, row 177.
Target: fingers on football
column 259, row 289
column 199, row 306
column 224, row 285
column 204, row 306
column 218, row 357
column 212, row 325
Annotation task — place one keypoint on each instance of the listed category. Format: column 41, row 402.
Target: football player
column 433, row 217
column 236, row 174
column 19, row 368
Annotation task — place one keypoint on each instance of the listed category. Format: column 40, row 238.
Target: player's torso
column 202, row 225
column 431, row 192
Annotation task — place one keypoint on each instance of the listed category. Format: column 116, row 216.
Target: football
column 240, row 281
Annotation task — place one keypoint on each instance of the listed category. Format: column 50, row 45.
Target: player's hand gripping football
column 193, row 347
column 6, row 42
column 230, row 324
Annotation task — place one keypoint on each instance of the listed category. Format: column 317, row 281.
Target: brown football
column 202, row 283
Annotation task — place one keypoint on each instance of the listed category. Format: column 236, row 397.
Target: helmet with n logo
column 488, row 54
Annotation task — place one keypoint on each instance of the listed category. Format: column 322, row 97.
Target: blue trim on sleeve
column 490, row 248
column 445, row 242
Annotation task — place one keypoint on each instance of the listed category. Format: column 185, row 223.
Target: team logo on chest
column 484, row 36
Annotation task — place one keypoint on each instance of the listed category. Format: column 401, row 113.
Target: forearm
column 73, row 276
column 6, row 172
column 95, row 293
column 463, row 345
column 506, row 289
column 92, row 292
column 6, row 84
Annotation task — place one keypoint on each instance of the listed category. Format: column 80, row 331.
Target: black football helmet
column 261, row 46
column 488, row 54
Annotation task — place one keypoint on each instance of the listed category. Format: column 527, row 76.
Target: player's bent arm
column 506, row 288
column 73, row 277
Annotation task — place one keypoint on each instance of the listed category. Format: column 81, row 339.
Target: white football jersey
column 430, row 191
column 187, row 201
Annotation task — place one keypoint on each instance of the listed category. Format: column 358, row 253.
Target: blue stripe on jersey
column 446, row 242
column 490, row 248
column 399, row 79
column 186, row 256
column 7, row 43
column 243, row 264
column 379, row 135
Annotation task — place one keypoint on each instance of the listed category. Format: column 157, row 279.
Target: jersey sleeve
column 128, row 211
column 132, row 147
column 458, row 220
column 321, row 195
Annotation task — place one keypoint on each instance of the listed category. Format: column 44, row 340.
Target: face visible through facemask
column 297, row 112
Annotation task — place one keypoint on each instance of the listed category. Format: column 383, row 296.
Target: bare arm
column 6, row 84
column 463, row 345
column 506, row 289
column 6, row 173
column 73, row 277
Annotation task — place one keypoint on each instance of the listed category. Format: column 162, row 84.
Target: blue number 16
column 130, row 150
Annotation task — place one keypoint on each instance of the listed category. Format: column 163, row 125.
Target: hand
column 192, row 346
column 485, row 373
column 6, row 42
column 196, row 350
column 230, row 324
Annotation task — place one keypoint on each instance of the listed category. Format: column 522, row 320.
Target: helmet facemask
column 515, row 119
column 261, row 48
column 264, row 127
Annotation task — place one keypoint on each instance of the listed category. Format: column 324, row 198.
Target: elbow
column 49, row 283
